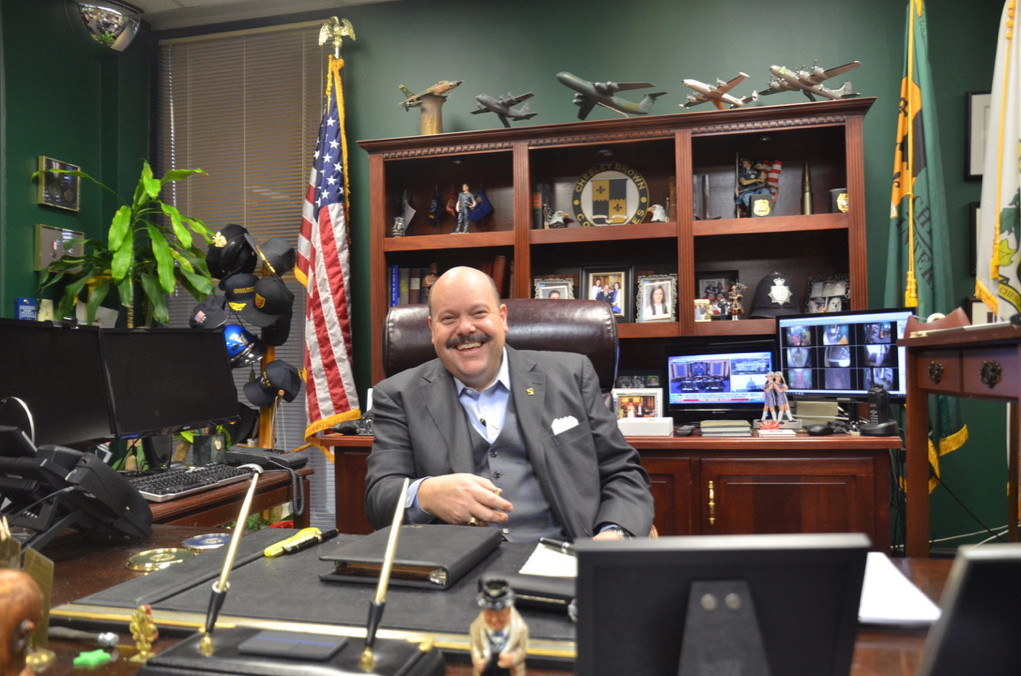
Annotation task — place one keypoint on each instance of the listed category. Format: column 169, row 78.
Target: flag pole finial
column 335, row 30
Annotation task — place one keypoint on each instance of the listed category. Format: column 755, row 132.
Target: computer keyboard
column 170, row 484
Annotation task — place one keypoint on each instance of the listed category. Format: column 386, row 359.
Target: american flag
column 324, row 268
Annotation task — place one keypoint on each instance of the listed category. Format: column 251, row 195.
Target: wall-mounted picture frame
column 977, row 114
column 657, row 298
column 828, row 294
column 714, row 286
column 554, row 287
column 58, row 190
column 611, row 284
column 633, row 402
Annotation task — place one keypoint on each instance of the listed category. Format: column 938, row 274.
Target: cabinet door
column 765, row 495
column 350, row 469
column 672, row 487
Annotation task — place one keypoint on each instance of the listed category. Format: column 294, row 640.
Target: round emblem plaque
column 610, row 193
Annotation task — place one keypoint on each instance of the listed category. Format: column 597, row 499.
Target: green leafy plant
column 150, row 245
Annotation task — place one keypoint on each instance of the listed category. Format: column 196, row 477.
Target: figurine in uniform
column 465, row 203
column 22, row 605
column 780, row 397
column 751, row 181
column 498, row 636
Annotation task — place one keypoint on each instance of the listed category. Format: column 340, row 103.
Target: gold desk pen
column 368, row 661
column 221, row 585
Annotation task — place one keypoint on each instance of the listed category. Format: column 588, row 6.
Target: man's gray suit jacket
column 588, row 472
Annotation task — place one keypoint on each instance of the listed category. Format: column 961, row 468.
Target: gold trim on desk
column 195, row 621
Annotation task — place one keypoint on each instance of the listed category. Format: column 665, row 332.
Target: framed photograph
column 974, row 214
column 714, row 287
column 975, row 134
column 554, row 287
column 637, row 379
column 634, row 402
column 657, row 298
column 58, row 190
column 828, row 294
column 611, row 284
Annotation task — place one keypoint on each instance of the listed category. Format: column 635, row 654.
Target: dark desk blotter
column 288, row 588
column 450, row 550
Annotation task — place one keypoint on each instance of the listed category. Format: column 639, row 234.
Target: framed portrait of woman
column 657, row 298
column 610, row 284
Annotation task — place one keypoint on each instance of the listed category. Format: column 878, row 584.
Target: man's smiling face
column 468, row 325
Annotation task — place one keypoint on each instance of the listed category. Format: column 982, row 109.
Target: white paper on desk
column 889, row 598
column 551, row 563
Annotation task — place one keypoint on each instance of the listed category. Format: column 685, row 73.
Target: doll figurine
column 780, row 397
column 769, row 401
column 498, row 636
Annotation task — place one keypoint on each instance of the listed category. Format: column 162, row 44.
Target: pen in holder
column 368, row 661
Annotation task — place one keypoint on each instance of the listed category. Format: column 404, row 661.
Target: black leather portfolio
column 432, row 556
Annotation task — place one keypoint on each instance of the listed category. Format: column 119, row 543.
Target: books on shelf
column 726, row 428
column 409, row 285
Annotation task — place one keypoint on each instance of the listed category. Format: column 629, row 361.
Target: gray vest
column 505, row 462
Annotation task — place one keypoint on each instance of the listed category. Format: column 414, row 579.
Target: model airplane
column 502, row 107
column 717, row 93
column 589, row 94
column 441, row 88
column 809, row 80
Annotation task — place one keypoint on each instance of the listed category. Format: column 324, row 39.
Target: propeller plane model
column 589, row 94
column 441, row 88
column 502, row 106
column 809, row 81
column 718, row 93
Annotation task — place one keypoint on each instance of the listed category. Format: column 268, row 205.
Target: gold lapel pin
column 529, row 391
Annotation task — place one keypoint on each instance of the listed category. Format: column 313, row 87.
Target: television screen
column 841, row 355
column 639, row 601
column 166, row 380
column 58, row 373
column 706, row 380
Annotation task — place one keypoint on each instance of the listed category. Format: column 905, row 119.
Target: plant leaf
column 120, row 227
column 152, row 186
column 182, row 233
column 154, row 292
column 96, row 297
column 181, row 174
column 164, row 259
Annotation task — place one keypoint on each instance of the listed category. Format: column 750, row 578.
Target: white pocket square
column 564, row 424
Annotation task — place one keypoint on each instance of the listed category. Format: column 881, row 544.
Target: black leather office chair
column 583, row 326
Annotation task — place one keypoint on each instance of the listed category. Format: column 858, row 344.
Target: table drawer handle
column 935, row 372
column 991, row 373
column 712, row 504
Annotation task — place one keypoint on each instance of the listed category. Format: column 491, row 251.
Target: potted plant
column 141, row 251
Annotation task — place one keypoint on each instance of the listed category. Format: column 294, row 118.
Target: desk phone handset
column 881, row 423
column 264, row 457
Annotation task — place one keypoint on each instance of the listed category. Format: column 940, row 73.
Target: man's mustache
column 476, row 337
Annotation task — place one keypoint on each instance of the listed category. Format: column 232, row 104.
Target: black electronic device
column 57, row 371
column 819, row 430
column 721, row 378
column 798, row 598
column 879, row 405
column 842, row 355
column 59, row 488
column 684, row 430
column 264, row 457
column 166, row 380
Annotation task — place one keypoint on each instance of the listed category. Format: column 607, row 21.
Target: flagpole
column 911, row 286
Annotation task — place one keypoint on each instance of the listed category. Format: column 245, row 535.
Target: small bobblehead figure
column 465, row 203
column 499, row 637
column 21, row 608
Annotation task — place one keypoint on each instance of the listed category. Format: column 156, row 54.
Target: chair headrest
column 583, row 326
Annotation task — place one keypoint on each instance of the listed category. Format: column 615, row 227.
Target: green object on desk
column 91, row 659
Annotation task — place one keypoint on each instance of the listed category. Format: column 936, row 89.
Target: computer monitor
column 58, row 373
column 842, row 355
column 797, row 594
column 167, row 380
column 718, row 379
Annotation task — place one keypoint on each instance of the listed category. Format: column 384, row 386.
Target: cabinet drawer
column 991, row 374
column 939, row 371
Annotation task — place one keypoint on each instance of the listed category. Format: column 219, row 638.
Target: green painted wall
column 61, row 101
column 54, row 107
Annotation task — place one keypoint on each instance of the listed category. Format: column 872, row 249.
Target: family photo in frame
column 638, row 402
column 832, row 294
column 554, row 288
column 715, row 287
column 610, row 284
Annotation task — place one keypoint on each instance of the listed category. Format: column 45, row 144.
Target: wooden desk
column 980, row 363
column 221, row 505
column 85, row 569
column 721, row 485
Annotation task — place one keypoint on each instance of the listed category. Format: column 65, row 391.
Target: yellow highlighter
column 303, row 535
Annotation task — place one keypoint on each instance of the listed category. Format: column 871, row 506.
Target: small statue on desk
column 144, row 631
column 22, row 604
column 780, row 397
column 736, row 290
column 465, row 203
column 769, row 398
column 498, row 636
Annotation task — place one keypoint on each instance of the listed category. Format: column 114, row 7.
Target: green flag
column 918, row 270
